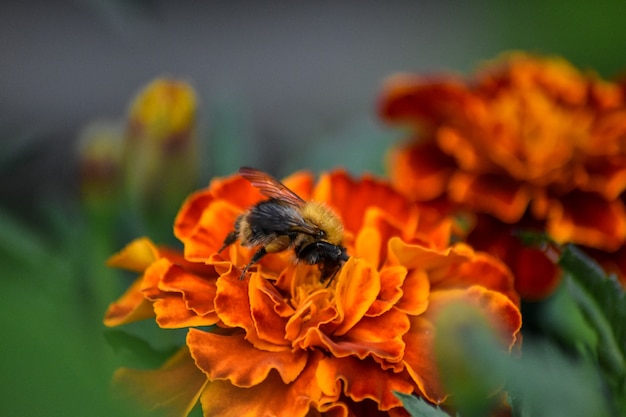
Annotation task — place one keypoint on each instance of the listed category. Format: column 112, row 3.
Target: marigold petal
column 380, row 336
column 358, row 285
column 181, row 299
column 216, row 222
column 499, row 196
column 197, row 291
column 269, row 398
column 351, row 198
column 411, row 98
column 587, row 219
column 377, row 220
column 415, row 292
column 608, row 178
column 171, row 391
column 420, row 170
column 418, row 256
column 233, row 188
column 367, row 245
column 235, row 359
column 269, row 311
column 481, row 269
column 201, row 226
column 232, row 305
column 130, row 307
column 303, row 326
column 362, row 379
column 420, row 361
column 536, row 276
column 301, row 183
column 136, row 256
column 391, row 290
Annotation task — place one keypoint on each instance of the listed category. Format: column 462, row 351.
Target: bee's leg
column 232, row 236
column 255, row 258
column 328, row 271
column 229, row 240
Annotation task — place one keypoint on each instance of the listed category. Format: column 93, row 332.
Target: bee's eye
column 321, row 234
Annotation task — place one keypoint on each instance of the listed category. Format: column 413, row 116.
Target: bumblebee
column 285, row 221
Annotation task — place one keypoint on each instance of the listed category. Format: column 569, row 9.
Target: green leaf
column 417, row 407
column 544, row 382
column 603, row 303
column 605, row 290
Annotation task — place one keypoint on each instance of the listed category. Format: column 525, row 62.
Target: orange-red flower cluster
column 280, row 342
column 528, row 141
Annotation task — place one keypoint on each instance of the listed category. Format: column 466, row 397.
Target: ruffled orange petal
column 392, row 286
column 171, row 391
column 269, row 311
column 358, row 285
column 351, row 198
column 608, row 177
column 499, row 196
column 236, row 360
column 232, row 305
column 301, row 183
column 217, row 221
column 410, row 98
column 272, row 397
column 303, row 327
column 136, row 256
column 368, row 245
column 417, row 256
column 536, row 276
column 181, row 299
column 130, row 307
column 587, row 219
column 203, row 227
column 523, row 70
column 481, row 269
column 380, row 337
column 379, row 226
column 419, row 359
column 362, row 379
column 415, row 291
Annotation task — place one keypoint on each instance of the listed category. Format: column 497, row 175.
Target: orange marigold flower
column 286, row 344
column 527, row 138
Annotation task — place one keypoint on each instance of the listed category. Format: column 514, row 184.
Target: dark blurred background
column 282, row 86
column 291, row 83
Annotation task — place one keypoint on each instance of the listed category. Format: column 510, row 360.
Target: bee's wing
column 270, row 186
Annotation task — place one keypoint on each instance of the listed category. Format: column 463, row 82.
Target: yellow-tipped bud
column 160, row 156
column 164, row 111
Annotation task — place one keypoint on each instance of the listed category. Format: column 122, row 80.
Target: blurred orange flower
column 527, row 141
column 284, row 344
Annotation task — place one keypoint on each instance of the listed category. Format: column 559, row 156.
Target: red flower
column 528, row 139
